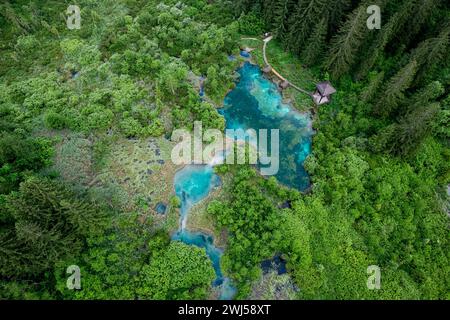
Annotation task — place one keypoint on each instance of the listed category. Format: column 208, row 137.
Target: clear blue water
column 202, row 86
column 192, row 184
column 245, row 54
column 256, row 103
column 161, row 208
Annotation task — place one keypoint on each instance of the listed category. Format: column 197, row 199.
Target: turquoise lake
column 255, row 103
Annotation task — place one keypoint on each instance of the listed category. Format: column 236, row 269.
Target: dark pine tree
column 315, row 45
column 344, row 46
column 394, row 90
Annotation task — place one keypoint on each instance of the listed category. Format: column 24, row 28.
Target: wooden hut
column 323, row 93
column 267, row 69
column 284, row 84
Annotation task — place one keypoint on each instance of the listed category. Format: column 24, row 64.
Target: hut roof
column 284, row 84
column 325, row 88
column 319, row 99
column 267, row 69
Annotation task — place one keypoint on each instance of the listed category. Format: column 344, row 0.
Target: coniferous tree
column 336, row 11
column 422, row 13
column 425, row 96
column 430, row 52
column 301, row 23
column 315, row 45
column 12, row 258
column 394, row 89
column 390, row 30
column 268, row 7
column 242, row 6
column 406, row 136
column 372, row 88
column 345, row 45
column 294, row 38
column 49, row 223
column 15, row 18
column 281, row 13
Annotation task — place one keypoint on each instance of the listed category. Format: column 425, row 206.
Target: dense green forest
column 380, row 164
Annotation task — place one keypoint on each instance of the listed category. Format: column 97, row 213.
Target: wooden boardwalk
column 275, row 72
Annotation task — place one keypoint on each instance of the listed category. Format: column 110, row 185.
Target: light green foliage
column 371, row 215
column 442, row 125
column 114, row 258
column 365, row 208
column 113, row 261
column 386, row 207
column 180, row 272
column 54, row 120
column 172, row 76
column 250, row 24
column 78, row 53
column 40, row 93
column 128, row 70
column 26, row 45
column 378, row 167
column 253, row 224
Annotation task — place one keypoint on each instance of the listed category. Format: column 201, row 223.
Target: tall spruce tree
column 336, row 11
column 395, row 88
column 281, row 13
column 391, row 29
column 50, row 222
column 426, row 95
column 242, row 6
column 412, row 129
column 314, row 47
column 422, row 14
column 267, row 9
column 370, row 91
column 345, row 45
column 431, row 52
column 305, row 16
